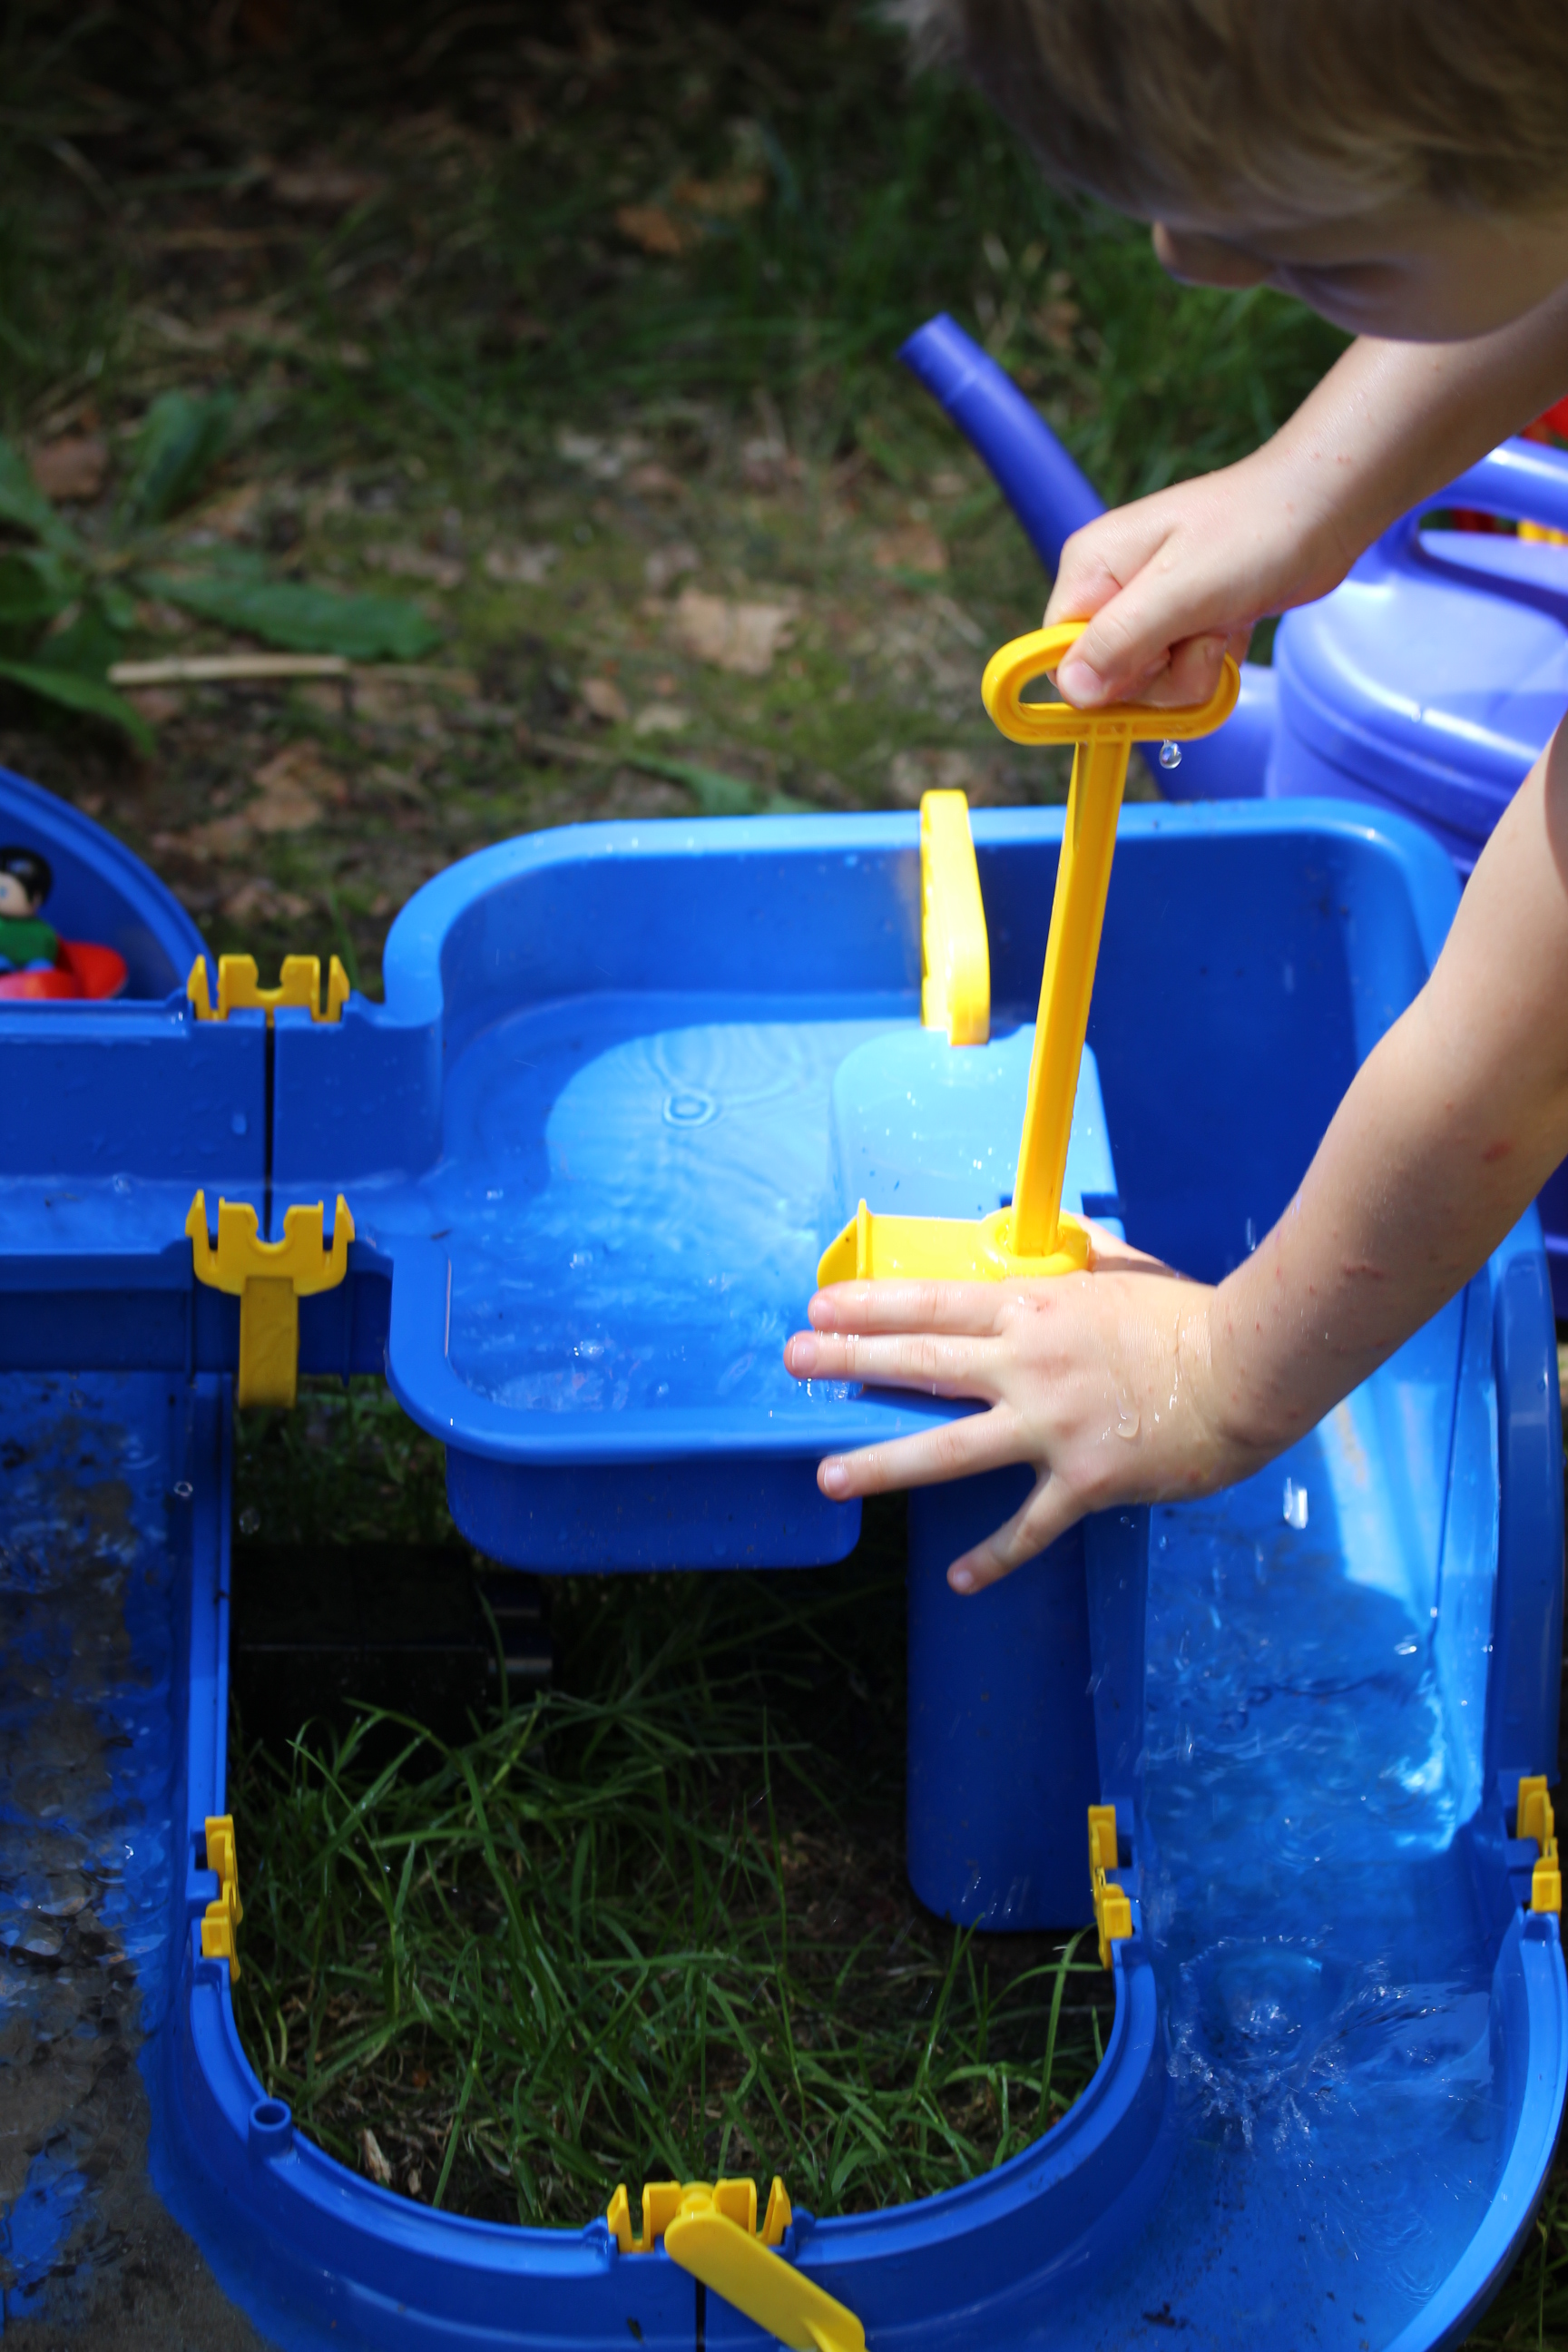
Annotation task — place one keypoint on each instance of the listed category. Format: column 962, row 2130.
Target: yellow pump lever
column 1033, row 1237
column 760, row 2283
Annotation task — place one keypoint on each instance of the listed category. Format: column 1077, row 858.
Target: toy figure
column 36, row 964
column 27, row 942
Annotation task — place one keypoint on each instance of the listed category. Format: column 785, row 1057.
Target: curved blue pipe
column 1051, row 496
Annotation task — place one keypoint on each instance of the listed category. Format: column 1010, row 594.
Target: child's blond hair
column 1276, row 109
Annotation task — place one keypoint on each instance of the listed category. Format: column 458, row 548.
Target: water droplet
column 184, row 1488
column 250, row 1519
column 1295, row 1505
column 1127, row 1422
column 121, row 1184
column 1170, row 755
column 1405, row 1649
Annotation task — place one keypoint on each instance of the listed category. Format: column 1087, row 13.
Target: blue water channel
column 1324, row 1970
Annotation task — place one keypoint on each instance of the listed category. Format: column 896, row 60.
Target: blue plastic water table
column 589, row 1147
column 1427, row 683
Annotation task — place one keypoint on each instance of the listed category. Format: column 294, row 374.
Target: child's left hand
column 1103, row 1382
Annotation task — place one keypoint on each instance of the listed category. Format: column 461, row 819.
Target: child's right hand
column 1173, row 582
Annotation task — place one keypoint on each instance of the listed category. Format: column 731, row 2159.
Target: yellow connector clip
column 269, row 1279
column 299, row 983
column 736, row 2200
column 1033, row 1237
column 955, row 955
column 1112, row 1911
column 1535, row 1820
column 709, row 2227
column 220, row 1919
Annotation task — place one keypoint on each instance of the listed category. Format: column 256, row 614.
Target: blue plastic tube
column 1050, row 495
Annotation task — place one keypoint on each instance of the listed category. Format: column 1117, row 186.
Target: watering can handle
column 1018, row 665
column 1522, row 479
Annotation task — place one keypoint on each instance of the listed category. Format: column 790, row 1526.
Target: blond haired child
column 1401, row 165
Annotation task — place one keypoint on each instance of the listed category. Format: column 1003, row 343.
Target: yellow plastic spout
column 1033, row 1237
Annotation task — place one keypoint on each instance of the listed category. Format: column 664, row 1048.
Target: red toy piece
column 81, row 968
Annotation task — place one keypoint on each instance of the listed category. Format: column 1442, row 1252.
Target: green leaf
column 181, row 438
column 303, row 620
column 716, row 793
column 88, row 647
column 22, row 502
column 89, row 695
column 28, row 594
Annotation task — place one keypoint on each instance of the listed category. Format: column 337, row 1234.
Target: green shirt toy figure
column 27, row 942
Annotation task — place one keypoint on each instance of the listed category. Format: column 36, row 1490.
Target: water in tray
column 642, row 1208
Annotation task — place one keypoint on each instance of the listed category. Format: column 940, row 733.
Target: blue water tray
column 589, row 1139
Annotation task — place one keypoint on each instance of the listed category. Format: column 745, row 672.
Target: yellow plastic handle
column 1014, row 667
column 783, row 2301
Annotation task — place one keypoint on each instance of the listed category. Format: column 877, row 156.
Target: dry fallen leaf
column 74, row 467
column 912, row 774
column 602, row 460
column 661, row 719
column 738, row 638
column 666, row 564
column 655, row 481
column 739, row 192
column 259, row 896
column 319, row 183
column 231, row 513
column 293, row 791
column 156, row 703
column 654, row 228
column 602, row 699
column 220, row 836
column 405, row 562
column 375, row 2164
column 914, row 546
column 521, row 567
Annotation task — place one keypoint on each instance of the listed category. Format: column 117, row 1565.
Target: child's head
column 1400, row 165
column 25, row 881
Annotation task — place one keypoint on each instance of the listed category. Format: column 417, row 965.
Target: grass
column 653, row 1924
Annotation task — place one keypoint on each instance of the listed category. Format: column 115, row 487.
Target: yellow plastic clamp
column 1112, row 1910
column 269, row 1279
column 1033, row 1237
column 1535, row 1820
column 709, row 2227
column 220, row 1919
column 955, row 955
column 298, row 982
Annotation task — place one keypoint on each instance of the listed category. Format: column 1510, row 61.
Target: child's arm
column 1128, row 1384
column 1173, row 580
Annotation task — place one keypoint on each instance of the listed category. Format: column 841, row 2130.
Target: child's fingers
column 969, row 1307
column 957, row 1449
column 1128, row 659
column 939, row 1365
column 1047, row 1513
